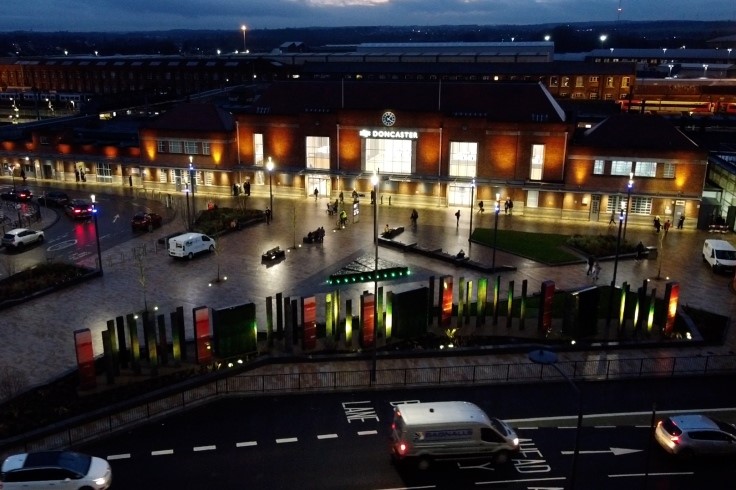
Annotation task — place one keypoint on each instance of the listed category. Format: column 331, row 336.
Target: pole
column 615, row 270
column 628, row 201
column 193, row 183
column 374, row 360
column 189, row 219
column 243, row 28
column 97, row 235
column 495, row 235
column 472, row 191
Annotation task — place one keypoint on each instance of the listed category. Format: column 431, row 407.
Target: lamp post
column 243, row 28
column 495, row 230
column 628, row 201
column 705, row 71
column 472, row 192
column 670, row 66
column 189, row 218
column 193, row 181
column 97, row 233
column 374, row 181
column 269, row 167
column 615, row 269
column 549, row 358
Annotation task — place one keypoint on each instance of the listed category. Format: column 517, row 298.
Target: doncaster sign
column 389, row 134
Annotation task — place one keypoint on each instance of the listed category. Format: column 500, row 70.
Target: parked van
column 427, row 432
column 720, row 255
column 190, row 244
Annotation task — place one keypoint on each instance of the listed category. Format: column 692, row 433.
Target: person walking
column 596, row 271
column 268, row 215
column 657, row 223
column 480, row 207
column 414, row 217
column 591, row 263
column 667, row 226
column 457, row 217
column 316, row 194
column 681, row 222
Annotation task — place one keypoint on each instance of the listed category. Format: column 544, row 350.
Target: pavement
column 37, row 337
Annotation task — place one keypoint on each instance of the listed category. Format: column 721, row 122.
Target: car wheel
column 40, row 239
column 190, row 256
column 212, row 248
column 424, row 463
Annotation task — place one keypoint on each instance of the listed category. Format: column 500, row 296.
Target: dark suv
column 56, row 199
column 19, row 195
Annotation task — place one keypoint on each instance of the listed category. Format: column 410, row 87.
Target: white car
column 20, row 237
column 55, row 469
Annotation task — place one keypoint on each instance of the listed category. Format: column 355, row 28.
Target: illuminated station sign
column 389, row 134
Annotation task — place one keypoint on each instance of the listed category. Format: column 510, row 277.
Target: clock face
column 388, row 118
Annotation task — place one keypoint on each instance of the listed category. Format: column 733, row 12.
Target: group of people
column 666, row 226
column 316, row 236
column 245, row 189
column 594, row 268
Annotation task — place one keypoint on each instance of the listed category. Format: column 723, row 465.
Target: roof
column 503, row 101
column 693, row 421
column 636, row 131
column 194, row 116
column 442, row 413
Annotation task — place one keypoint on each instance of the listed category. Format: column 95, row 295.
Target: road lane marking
column 327, row 436
column 604, row 426
column 246, row 444
column 367, row 432
column 113, row 457
column 521, row 480
column 204, row 448
column 286, row 440
column 162, row 452
column 637, row 475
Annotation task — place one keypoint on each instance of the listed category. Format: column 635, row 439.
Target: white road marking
column 522, row 480
column 367, row 432
column 674, row 473
column 204, row 448
column 113, row 457
column 327, row 436
column 246, row 444
column 162, row 452
column 286, row 440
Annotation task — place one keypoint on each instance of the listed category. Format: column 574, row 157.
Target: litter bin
column 652, row 253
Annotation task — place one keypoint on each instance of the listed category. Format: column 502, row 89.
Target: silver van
column 426, row 432
column 190, row 244
column 720, row 255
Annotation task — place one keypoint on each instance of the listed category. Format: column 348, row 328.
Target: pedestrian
column 235, row 189
column 414, row 217
column 23, row 176
column 596, row 271
column 76, row 174
column 247, row 188
column 667, row 226
column 511, row 206
column 640, row 251
column 612, row 221
column 341, row 199
column 457, row 216
column 81, row 175
column 591, row 262
column 130, row 180
column 268, row 215
column 316, row 193
column 657, row 223
column 355, row 195
column 506, row 207
column 681, row 222
column 480, row 206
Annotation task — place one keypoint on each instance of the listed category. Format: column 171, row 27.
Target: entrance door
column 321, row 183
column 595, row 207
column 679, row 210
column 459, row 195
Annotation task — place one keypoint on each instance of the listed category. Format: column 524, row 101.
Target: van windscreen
column 726, row 254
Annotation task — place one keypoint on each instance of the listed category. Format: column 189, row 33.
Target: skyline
column 161, row 15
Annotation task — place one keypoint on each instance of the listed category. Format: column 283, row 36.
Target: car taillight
column 675, row 439
column 403, row 448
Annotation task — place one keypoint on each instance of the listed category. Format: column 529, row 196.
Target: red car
column 146, row 221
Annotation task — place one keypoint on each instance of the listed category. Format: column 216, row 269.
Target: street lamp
column 495, row 230
column 269, row 167
column 243, row 28
column 670, row 66
column 615, row 269
column 705, row 71
column 628, row 201
column 97, row 233
column 374, row 181
column 549, row 358
column 193, row 181
column 472, row 191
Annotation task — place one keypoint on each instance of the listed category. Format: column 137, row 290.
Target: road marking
column 327, row 436
column 204, row 448
column 113, row 457
column 286, row 440
column 674, row 473
column 521, row 480
column 616, row 451
column 367, row 432
column 246, row 444
column 62, row 245
column 162, row 452
column 527, row 428
column 604, row 426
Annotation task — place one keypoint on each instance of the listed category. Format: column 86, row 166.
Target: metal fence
column 67, row 434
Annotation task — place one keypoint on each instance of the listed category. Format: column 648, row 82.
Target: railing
column 67, row 434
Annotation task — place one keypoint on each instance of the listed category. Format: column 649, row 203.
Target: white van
column 427, row 432
column 720, row 255
column 190, row 244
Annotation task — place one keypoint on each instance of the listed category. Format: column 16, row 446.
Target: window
column 579, row 82
column 174, row 146
column 537, row 163
column 190, row 147
column 625, row 82
column 104, row 174
column 162, row 177
column 490, row 435
column 161, row 146
column 388, row 156
column 318, row 152
column 615, row 204
column 620, row 167
column 593, row 79
column 565, row 81
column 554, row 81
column 532, row 199
column 668, row 170
column 209, row 177
column 463, row 159
column 646, row 169
column 609, row 82
column 258, row 149
column 641, row 205
column 599, row 167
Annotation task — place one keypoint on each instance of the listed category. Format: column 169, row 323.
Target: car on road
column 720, row 255
column 78, row 209
column 56, row 199
column 21, row 237
column 20, row 194
column 55, row 469
column 146, row 221
column 695, row 434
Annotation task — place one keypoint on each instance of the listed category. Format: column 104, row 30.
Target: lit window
column 646, row 169
column 599, row 167
column 258, row 149
column 537, row 163
column 668, row 171
column 620, row 167
column 463, row 159
column 318, row 152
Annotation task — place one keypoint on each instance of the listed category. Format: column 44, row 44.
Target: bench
column 392, row 232
column 273, row 254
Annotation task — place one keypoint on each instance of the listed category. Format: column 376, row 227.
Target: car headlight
column 100, row 481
